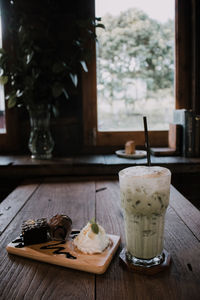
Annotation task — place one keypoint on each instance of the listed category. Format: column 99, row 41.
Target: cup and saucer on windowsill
column 130, row 151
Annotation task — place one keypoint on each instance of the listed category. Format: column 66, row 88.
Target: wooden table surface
column 82, row 199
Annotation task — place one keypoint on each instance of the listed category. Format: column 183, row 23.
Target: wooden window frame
column 185, row 84
column 9, row 141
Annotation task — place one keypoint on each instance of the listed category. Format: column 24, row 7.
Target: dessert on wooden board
column 40, row 230
column 54, row 242
column 91, row 239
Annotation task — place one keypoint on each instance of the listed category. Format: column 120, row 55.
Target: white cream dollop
column 89, row 242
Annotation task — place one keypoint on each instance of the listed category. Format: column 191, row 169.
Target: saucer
column 137, row 154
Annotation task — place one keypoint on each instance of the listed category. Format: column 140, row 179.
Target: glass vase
column 41, row 143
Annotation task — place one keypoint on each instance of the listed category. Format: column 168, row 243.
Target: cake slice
column 34, row 231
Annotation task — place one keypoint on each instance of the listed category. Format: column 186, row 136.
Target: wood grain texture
column 179, row 282
column 23, row 167
column 183, row 58
column 22, row 278
column 89, row 159
column 186, row 211
column 14, row 202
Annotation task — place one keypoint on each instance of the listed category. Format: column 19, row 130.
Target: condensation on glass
column 135, row 64
column 2, row 101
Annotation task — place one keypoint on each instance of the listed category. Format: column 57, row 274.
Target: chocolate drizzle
column 74, row 233
column 19, row 242
column 59, row 250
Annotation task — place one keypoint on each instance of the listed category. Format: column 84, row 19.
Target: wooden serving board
column 71, row 258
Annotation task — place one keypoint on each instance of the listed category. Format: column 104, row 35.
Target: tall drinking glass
column 144, row 198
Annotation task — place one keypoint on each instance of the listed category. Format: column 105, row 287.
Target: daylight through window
column 135, row 64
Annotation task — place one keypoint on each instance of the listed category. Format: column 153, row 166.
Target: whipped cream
column 89, row 242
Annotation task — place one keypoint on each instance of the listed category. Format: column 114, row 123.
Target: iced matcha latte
column 144, row 199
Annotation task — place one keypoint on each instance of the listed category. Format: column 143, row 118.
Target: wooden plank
column 189, row 214
column 181, row 281
column 7, row 186
column 183, row 58
column 28, row 161
column 14, row 202
column 26, row 279
column 89, row 159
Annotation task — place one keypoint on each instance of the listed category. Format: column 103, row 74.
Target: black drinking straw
column 147, row 141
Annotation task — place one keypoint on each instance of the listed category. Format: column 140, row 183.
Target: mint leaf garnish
column 92, row 221
column 94, row 226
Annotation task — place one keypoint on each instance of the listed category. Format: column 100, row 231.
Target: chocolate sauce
column 59, row 250
column 17, row 240
column 20, row 245
column 74, row 233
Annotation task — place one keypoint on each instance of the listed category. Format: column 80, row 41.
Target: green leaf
column 29, row 57
column 74, row 79
column 57, row 68
column 92, row 220
column 2, row 51
column 55, row 110
column 84, row 66
column 57, row 90
column 100, row 26
column 3, row 79
column 12, row 101
column 95, row 228
column 66, row 94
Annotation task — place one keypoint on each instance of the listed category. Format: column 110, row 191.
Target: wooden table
column 82, row 199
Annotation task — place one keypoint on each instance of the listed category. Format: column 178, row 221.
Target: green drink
column 144, row 199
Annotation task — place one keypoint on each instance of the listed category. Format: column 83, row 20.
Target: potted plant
column 49, row 47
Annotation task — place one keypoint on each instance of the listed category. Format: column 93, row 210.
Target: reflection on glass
column 135, row 64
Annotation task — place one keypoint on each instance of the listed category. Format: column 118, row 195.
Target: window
column 135, row 64
column 93, row 135
column 187, row 83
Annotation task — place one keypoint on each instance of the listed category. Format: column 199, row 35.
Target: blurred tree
column 134, row 50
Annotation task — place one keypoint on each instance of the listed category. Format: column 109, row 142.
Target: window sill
column 20, row 167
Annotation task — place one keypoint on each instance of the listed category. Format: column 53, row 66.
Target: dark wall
column 67, row 128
